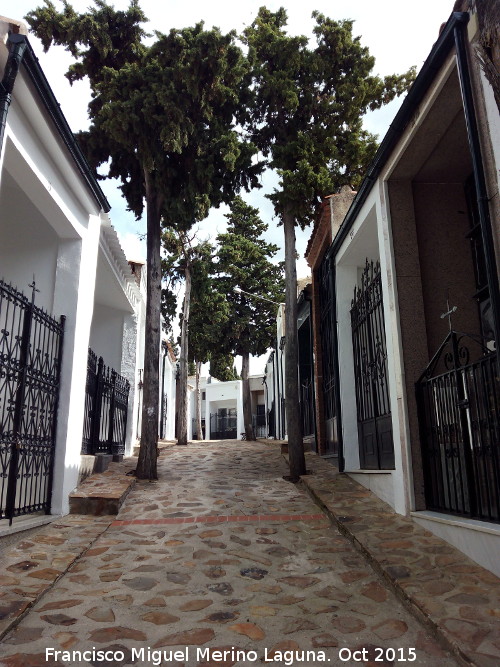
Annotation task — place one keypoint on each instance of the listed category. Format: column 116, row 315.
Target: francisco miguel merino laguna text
column 157, row 657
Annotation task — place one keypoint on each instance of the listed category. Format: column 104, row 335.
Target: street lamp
column 257, row 296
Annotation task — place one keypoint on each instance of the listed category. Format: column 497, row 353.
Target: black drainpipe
column 17, row 46
column 479, row 178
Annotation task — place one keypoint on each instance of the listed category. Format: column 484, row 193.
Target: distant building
column 222, row 408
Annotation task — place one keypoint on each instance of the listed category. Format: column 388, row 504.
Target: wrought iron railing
column 30, row 363
column 223, row 427
column 307, row 407
column 106, row 407
column 376, row 450
column 459, row 414
column 259, row 425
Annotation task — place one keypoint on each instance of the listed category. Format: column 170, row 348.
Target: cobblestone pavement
column 221, row 554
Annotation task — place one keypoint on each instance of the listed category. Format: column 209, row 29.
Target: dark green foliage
column 244, row 261
column 209, row 309
column 169, row 108
column 102, row 37
column 306, row 118
column 163, row 121
column 308, row 107
column 222, row 368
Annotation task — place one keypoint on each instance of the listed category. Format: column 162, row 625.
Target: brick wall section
column 331, row 214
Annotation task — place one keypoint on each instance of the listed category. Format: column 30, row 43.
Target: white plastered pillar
column 129, row 370
column 346, row 277
column 74, row 298
column 402, row 475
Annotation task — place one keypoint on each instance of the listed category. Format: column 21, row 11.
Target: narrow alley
column 220, row 562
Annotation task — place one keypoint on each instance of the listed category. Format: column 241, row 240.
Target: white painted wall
column 106, row 336
column 28, row 244
column 169, row 392
column 224, row 395
column 49, row 225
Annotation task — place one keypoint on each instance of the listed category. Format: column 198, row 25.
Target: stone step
column 103, row 493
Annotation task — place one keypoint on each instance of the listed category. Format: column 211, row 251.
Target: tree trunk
column 295, row 445
column 146, row 464
column 183, row 360
column 247, row 401
column 198, row 402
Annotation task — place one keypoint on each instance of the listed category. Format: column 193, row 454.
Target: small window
column 203, row 395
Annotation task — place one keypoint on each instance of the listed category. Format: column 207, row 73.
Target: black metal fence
column 307, row 408
column 223, row 426
column 30, row 363
column 328, row 327
column 106, row 406
column 459, row 415
column 370, row 371
column 259, row 425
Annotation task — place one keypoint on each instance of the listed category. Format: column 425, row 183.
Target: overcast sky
column 399, row 34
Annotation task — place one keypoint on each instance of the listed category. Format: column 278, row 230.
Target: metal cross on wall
column 449, row 312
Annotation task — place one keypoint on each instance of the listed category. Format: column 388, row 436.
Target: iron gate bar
column 328, row 331
column 30, row 363
column 223, row 427
column 106, row 407
column 370, row 371
column 459, row 416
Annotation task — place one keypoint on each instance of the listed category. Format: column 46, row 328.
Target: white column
column 346, row 279
column 402, row 475
column 129, row 370
column 74, row 298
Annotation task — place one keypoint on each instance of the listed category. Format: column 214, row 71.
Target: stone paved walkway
column 220, row 554
column 441, row 585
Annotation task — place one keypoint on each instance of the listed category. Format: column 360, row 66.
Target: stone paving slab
column 457, row 598
column 219, row 555
column 35, row 563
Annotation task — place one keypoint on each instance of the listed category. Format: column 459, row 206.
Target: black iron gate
column 307, row 407
column 223, row 425
column 376, row 450
column 106, row 406
column 30, row 363
column 328, row 351
column 459, row 417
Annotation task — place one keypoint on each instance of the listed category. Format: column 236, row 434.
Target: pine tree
column 307, row 120
column 245, row 263
column 163, row 119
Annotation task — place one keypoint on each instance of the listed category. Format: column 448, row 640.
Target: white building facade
column 222, row 408
column 66, row 286
column 414, row 269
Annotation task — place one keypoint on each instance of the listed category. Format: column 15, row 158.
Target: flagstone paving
column 221, row 554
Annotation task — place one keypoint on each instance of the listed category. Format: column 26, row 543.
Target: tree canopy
column 164, row 122
column 244, row 262
column 306, row 118
column 308, row 107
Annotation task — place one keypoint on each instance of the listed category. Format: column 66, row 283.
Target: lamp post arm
column 257, row 296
